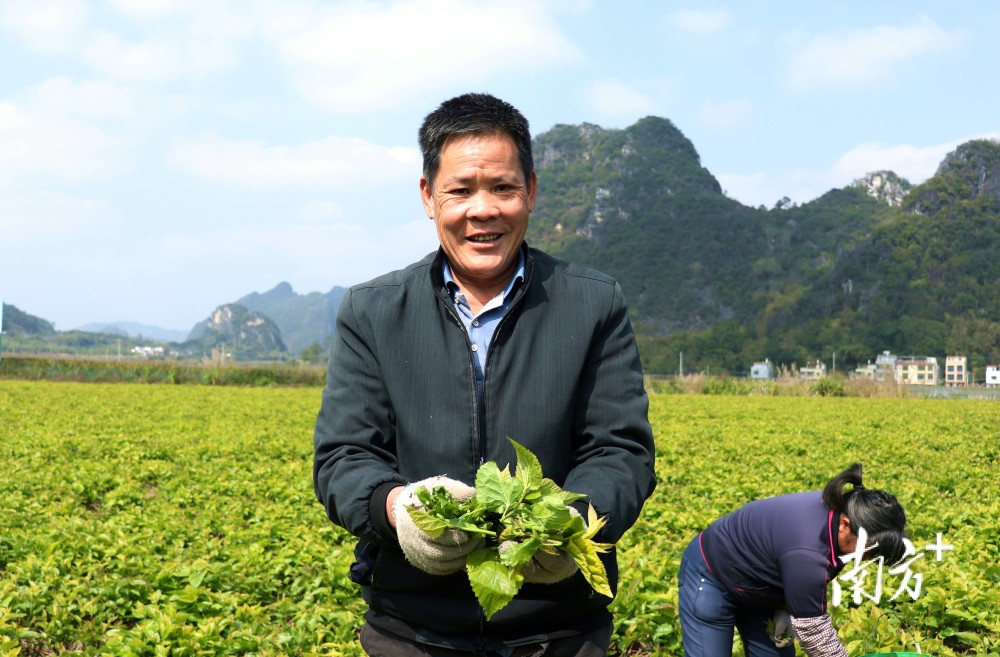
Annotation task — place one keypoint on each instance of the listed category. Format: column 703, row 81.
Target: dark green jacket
column 562, row 378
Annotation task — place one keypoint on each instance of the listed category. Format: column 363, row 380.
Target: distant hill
column 136, row 330
column 233, row 329
column 878, row 265
column 16, row 322
column 925, row 279
column 304, row 319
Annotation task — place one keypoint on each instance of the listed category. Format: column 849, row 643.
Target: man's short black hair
column 473, row 114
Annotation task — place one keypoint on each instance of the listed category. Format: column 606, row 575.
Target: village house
column 883, row 369
column 762, row 370
column 993, row 376
column 919, row 371
column 956, row 371
column 814, row 372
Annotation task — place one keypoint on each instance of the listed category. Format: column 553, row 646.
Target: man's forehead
column 489, row 140
column 463, row 163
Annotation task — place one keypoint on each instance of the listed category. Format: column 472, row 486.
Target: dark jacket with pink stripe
column 778, row 552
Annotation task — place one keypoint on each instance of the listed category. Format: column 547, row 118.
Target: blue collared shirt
column 481, row 327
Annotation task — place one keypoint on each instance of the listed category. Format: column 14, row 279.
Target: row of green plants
column 180, row 520
column 161, row 371
column 300, row 373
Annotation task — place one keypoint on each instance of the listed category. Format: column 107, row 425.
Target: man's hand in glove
column 545, row 568
column 438, row 556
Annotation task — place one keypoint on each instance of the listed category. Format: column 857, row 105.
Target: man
column 431, row 370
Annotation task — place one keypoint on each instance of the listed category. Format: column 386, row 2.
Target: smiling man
column 480, row 199
column 434, row 366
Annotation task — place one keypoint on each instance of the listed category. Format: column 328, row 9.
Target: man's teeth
column 484, row 238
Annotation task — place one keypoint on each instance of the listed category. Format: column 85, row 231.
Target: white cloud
column 49, row 26
column 94, row 99
column 191, row 37
column 313, row 256
column 35, row 218
column 911, row 162
column 726, row 114
column 865, row 56
column 700, row 21
column 150, row 9
column 335, row 162
column 360, row 55
column 614, row 97
column 319, row 211
column 148, row 61
column 914, row 163
column 765, row 189
column 35, row 144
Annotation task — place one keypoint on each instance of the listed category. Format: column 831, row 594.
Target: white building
column 762, row 370
column 813, row 372
column 148, row 352
column 885, row 366
column 993, row 376
column 866, row 371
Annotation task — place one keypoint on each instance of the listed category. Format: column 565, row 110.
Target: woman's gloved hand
column 782, row 628
column 445, row 554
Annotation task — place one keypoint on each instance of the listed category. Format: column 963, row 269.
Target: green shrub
column 828, row 387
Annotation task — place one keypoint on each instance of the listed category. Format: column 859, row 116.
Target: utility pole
column 680, row 366
column 835, row 362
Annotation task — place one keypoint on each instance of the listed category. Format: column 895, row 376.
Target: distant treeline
column 104, row 371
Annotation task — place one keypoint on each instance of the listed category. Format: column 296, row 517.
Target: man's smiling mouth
column 484, row 238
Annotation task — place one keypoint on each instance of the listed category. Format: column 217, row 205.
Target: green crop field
column 180, row 520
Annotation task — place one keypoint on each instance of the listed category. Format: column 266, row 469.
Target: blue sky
column 161, row 157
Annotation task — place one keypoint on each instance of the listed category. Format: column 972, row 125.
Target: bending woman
column 772, row 559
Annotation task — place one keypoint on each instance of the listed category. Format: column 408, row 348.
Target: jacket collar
column 438, row 282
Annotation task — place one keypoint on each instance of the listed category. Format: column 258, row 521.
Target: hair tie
column 859, row 486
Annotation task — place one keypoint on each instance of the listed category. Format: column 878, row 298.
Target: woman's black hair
column 878, row 512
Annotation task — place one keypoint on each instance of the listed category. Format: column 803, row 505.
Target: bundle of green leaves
column 519, row 515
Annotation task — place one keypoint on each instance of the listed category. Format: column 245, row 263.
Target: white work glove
column 545, row 568
column 445, row 554
column 782, row 628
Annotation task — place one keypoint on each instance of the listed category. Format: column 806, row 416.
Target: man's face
column 480, row 202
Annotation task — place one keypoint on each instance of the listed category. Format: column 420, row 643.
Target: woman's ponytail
column 876, row 511
column 833, row 495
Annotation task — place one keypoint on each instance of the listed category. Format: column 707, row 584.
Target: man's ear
column 427, row 197
column 532, row 190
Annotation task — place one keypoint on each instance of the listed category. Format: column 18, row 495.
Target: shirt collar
column 518, row 276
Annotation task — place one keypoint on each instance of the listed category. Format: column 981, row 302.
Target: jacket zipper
column 478, row 450
column 504, row 321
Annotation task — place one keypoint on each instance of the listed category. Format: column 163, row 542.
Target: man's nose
column 483, row 205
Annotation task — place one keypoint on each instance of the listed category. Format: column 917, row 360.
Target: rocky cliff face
column 971, row 171
column 304, row 319
column 884, row 186
column 978, row 162
column 247, row 334
column 638, row 205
